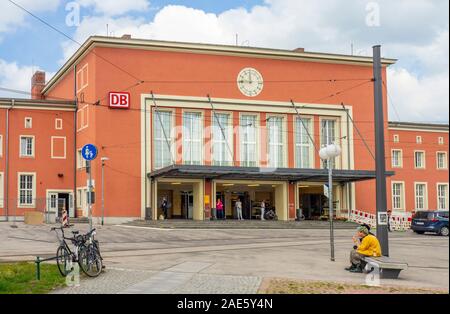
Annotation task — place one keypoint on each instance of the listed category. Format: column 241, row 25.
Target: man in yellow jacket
column 366, row 244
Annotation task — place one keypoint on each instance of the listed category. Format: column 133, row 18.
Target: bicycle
column 86, row 253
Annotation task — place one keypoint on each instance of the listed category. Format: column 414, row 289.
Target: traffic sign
column 89, row 152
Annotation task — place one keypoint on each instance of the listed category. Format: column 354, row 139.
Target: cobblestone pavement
column 217, row 284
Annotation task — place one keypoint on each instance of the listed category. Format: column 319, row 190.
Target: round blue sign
column 89, row 152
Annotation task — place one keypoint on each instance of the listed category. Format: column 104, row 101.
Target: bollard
column 38, row 268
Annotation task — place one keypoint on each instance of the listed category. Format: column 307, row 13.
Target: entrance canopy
column 243, row 173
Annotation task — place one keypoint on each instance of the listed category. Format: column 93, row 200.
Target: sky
column 416, row 32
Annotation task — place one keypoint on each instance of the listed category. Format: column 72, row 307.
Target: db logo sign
column 119, row 100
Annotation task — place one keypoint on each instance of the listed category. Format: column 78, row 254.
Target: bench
column 389, row 268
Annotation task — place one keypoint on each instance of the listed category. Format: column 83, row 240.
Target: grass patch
column 286, row 286
column 20, row 278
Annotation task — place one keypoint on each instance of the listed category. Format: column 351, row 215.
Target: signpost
column 89, row 153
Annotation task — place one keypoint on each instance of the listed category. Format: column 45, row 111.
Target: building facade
column 192, row 123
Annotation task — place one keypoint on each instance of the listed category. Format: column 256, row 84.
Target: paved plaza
column 142, row 259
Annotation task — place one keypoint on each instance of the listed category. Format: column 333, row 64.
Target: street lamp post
column 103, row 188
column 328, row 153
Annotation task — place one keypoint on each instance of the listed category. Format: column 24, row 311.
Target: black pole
column 382, row 229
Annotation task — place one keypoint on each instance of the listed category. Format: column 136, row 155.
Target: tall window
column 441, row 160
column 249, row 140
column 26, row 146
column 421, row 196
column 275, row 132
column 442, row 196
column 26, row 196
column 303, row 144
column 192, row 138
column 419, row 139
column 222, row 143
column 327, row 137
column 397, row 196
column 162, row 125
column 419, row 160
column 396, row 138
column 397, row 160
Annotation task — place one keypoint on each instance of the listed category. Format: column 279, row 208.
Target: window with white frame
column 1, row 145
column 397, row 196
column 419, row 139
column 419, row 160
column 396, row 138
column 441, row 158
column 81, row 162
column 1, row 189
column 303, row 145
column 222, row 139
column 442, row 194
column 249, row 138
column 26, row 189
column 28, row 123
column 327, row 137
column 163, row 139
column 192, row 138
column 276, row 142
column 441, row 140
column 421, row 196
column 27, row 146
column 397, row 158
column 58, row 124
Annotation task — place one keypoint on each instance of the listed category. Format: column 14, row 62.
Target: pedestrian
column 164, row 206
column 366, row 245
column 220, row 211
column 263, row 209
column 239, row 209
column 389, row 212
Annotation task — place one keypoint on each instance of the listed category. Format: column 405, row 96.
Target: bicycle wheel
column 63, row 260
column 90, row 261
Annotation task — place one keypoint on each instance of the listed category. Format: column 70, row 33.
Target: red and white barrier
column 399, row 221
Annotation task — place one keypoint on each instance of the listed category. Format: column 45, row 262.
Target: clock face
column 250, row 82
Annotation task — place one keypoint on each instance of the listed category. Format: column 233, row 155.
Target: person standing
column 263, row 209
column 239, row 209
column 219, row 207
column 164, row 206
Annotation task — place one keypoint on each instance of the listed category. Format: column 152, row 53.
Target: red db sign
column 119, row 100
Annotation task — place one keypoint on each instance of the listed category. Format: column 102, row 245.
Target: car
column 430, row 221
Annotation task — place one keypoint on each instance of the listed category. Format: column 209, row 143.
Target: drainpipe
column 349, row 184
column 7, row 161
column 75, row 142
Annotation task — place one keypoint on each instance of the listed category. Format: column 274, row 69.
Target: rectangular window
column 397, row 196
column 192, row 138
column 81, row 162
column 28, row 123
column 419, row 160
column 58, row 124
column 421, row 196
column 396, row 138
column 442, row 160
column 26, row 189
column 249, row 139
column 441, row 140
column 163, row 139
column 327, row 137
column 442, row 196
column 1, row 145
column 397, row 158
column 222, row 140
column 303, row 145
column 276, row 143
column 1, row 189
column 26, row 146
column 419, row 139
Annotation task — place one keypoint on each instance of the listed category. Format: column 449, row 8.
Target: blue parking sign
column 89, row 152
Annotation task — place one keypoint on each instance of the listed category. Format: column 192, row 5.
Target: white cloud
column 414, row 31
column 115, row 7
column 11, row 16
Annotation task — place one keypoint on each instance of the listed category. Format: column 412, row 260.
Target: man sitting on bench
column 366, row 245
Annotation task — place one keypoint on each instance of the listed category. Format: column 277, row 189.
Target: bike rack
column 38, row 262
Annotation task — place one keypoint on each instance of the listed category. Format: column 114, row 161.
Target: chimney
column 299, row 50
column 126, row 36
column 37, row 85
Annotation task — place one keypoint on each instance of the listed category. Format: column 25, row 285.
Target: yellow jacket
column 369, row 246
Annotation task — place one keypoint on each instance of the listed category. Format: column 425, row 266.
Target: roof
column 37, row 104
column 419, row 126
column 115, row 42
column 243, row 173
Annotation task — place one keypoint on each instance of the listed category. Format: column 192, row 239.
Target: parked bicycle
column 86, row 253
